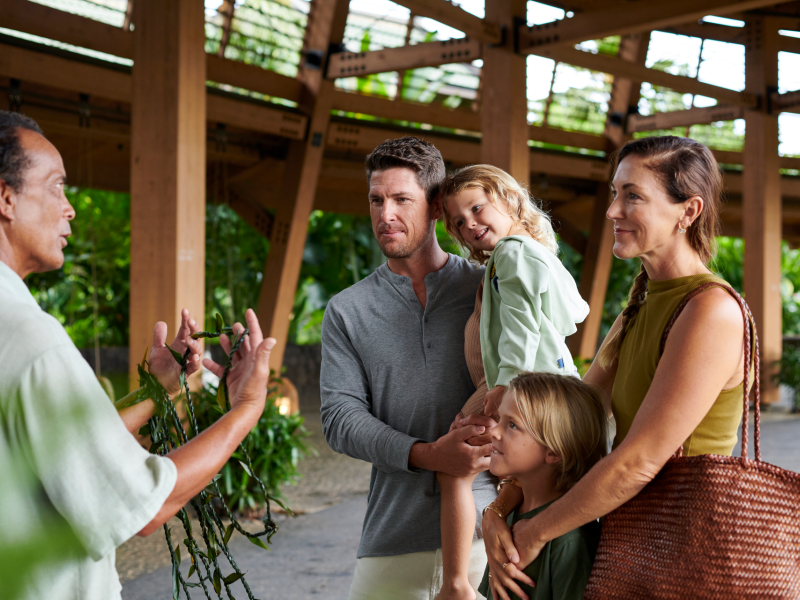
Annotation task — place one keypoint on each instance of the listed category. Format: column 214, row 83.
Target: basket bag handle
column 748, row 323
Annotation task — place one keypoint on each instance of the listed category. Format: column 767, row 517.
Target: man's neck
column 9, row 257
column 537, row 489
column 427, row 259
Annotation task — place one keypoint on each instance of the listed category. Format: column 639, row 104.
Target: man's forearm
column 202, row 458
column 422, row 456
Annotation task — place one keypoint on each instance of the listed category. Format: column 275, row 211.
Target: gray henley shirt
column 394, row 374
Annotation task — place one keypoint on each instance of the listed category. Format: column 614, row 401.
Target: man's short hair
column 13, row 161
column 411, row 153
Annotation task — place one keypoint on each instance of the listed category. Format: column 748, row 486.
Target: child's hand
column 491, row 404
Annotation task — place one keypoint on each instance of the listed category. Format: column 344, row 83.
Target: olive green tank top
column 638, row 359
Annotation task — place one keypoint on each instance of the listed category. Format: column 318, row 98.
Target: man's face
column 38, row 215
column 402, row 219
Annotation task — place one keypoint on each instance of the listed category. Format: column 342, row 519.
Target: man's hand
column 248, row 377
column 491, row 403
column 479, row 420
column 452, row 454
column 162, row 363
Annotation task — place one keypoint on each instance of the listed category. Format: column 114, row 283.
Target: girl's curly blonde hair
column 499, row 187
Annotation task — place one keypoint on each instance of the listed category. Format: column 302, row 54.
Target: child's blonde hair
column 566, row 416
column 499, row 186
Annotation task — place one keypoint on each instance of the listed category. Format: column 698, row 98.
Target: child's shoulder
column 582, row 540
column 518, row 245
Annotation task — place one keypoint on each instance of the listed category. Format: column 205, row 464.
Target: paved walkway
column 314, row 555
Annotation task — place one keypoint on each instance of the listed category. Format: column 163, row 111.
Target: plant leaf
column 191, row 572
column 178, row 554
column 228, row 533
column 219, row 322
column 175, row 582
column 233, row 577
column 221, row 397
column 176, row 355
column 246, row 469
column 215, row 582
column 258, row 542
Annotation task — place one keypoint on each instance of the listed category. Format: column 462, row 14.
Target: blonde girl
column 525, row 307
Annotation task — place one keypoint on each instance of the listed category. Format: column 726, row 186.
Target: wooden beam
column 596, row 270
column 598, row 257
column 761, row 201
column 168, row 163
column 636, row 72
column 226, row 10
column 562, row 137
column 426, row 54
column 684, row 118
column 788, row 102
column 568, row 232
column 114, row 84
column 326, row 24
column 54, row 24
column 65, row 74
column 253, row 78
column 628, row 18
column 452, row 15
column 504, row 106
column 256, row 116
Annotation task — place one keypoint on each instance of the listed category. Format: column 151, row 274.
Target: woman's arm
column 703, row 356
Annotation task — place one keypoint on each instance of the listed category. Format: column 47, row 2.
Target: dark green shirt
column 561, row 571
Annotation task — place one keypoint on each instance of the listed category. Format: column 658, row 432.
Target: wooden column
column 761, row 200
column 326, row 23
column 168, row 168
column 504, row 99
column 598, row 257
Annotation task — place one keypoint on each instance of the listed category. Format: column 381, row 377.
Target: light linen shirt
column 88, row 470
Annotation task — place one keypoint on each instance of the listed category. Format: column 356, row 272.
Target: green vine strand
column 167, row 433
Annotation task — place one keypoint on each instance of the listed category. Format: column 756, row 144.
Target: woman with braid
column 666, row 204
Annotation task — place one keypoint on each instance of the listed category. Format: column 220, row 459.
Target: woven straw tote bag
column 707, row 526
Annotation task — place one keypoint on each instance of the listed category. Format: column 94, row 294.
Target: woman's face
column 645, row 218
column 480, row 223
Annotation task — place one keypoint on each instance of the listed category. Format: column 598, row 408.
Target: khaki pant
column 416, row 576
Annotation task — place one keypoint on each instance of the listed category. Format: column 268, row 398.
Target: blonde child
column 552, row 430
column 525, row 307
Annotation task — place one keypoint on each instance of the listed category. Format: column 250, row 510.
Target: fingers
column 183, row 330
column 512, row 571
column 498, row 590
column 256, row 337
column 159, row 335
column 507, row 542
column 482, row 420
column 507, row 582
column 470, row 431
column 262, row 357
column 216, row 369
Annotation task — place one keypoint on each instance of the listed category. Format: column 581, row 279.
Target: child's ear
column 551, row 458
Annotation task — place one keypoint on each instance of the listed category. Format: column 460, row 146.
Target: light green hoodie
column 530, row 304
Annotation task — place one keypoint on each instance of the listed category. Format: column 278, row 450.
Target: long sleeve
column 347, row 420
column 520, row 280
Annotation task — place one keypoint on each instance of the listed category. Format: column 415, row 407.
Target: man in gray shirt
column 394, row 377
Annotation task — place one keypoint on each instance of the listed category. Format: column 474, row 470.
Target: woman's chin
column 624, row 251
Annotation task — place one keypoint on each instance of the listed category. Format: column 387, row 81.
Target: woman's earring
column 681, row 229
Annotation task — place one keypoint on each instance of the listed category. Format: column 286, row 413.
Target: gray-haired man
column 394, row 377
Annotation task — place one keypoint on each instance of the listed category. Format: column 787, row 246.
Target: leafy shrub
column 275, row 446
column 789, row 373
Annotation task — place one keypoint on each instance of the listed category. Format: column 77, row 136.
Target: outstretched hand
column 247, row 380
column 163, row 365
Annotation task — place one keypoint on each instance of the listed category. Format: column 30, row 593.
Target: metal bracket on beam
column 532, row 36
column 684, row 118
column 428, row 54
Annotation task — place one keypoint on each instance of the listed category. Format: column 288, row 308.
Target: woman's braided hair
column 685, row 168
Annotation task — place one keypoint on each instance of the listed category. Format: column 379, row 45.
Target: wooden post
column 598, row 257
column 504, row 99
column 326, row 23
column 761, row 200
column 168, row 166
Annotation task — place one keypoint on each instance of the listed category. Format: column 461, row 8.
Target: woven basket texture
column 717, row 527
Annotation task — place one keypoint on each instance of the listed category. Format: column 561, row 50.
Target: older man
column 394, row 377
column 89, row 473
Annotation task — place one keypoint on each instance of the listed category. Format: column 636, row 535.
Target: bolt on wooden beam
column 427, row 54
